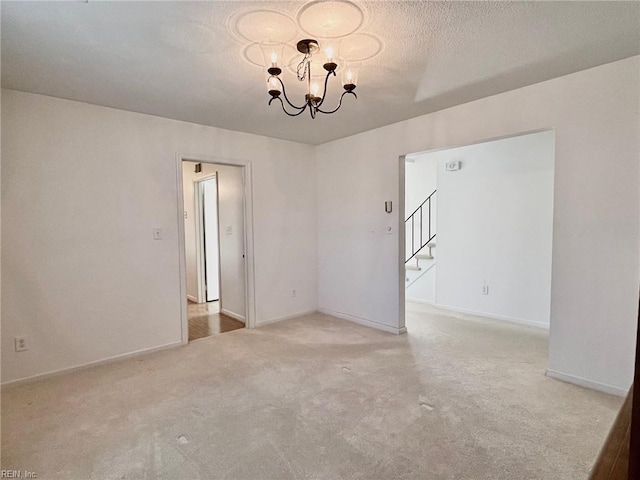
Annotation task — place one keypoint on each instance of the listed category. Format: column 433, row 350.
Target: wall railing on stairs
column 424, row 233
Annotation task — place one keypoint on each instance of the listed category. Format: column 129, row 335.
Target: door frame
column 634, row 434
column 249, row 264
column 200, row 246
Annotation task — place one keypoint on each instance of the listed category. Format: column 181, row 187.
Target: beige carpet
column 316, row 398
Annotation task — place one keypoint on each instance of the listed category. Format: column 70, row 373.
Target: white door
column 210, row 234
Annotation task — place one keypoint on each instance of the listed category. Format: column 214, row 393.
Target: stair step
column 412, row 267
column 424, row 256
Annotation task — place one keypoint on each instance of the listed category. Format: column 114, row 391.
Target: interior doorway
column 478, row 227
column 214, row 226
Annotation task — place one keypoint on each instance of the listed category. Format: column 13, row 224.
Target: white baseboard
column 583, row 382
column 192, row 298
column 365, row 322
column 233, row 315
column 504, row 318
column 420, row 300
column 84, row 366
column 286, row 317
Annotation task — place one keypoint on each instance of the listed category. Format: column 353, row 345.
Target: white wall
column 231, row 214
column 595, row 266
column 421, row 172
column 421, row 286
column 495, row 228
column 83, row 279
column 82, row 188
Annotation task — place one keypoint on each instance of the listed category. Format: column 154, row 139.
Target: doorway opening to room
column 214, row 221
column 478, row 224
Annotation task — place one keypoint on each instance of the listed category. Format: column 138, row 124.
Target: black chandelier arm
column 284, row 93
column 326, row 80
column 339, row 104
column 285, row 110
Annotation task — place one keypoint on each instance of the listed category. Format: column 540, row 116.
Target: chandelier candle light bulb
column 329, row 52
column 273, row 53
column 350, row 75
column 330, row 65
column 315, row 88
column 314, row 98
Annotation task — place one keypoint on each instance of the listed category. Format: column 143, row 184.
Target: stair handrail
column 415, row 251
column 420, row 206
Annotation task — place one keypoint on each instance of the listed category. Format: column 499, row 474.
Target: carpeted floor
column 316, row 398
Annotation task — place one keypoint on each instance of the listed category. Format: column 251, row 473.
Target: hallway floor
column 205, row 320
column 316, row 397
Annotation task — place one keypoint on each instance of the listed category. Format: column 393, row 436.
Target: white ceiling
column 193, row 61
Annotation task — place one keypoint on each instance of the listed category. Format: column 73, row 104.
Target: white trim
column 248, row 236
column 198, row 220
column 420, row 300
column 192, row 298
column 493, row 316
column 85, row 366
column 400, row 253
column 233, row 315
column 182, row 255
column 200, row 250
column 365, row 322
column 583, row 382
column 286, row 317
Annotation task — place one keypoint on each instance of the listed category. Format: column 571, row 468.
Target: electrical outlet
column 485, row 290
column 20, row 344
column 293, row 293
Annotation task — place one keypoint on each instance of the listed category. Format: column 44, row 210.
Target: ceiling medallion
column 273, row 54
column 330, row 18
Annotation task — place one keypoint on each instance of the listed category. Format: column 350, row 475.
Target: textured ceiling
column 195, row 61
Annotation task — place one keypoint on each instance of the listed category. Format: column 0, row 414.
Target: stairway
column 420, row 229
column 420, row 236
column 420, row 264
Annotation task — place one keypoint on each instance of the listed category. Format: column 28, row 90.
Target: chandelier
column 273, row 53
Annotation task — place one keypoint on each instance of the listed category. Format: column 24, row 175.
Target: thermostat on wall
column 452, row 166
